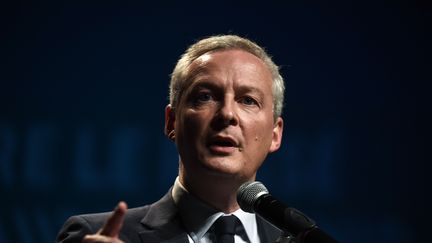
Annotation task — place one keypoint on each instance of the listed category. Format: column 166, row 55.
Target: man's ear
column 169, row 122
column 277, row 135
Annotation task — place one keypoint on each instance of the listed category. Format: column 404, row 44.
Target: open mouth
column 223, row 141
column 222, row 145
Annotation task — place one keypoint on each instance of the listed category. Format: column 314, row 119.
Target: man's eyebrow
column 249, row 88
column 204, row 82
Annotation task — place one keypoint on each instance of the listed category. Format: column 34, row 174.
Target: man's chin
column 223, row 167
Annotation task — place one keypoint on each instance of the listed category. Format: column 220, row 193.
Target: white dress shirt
column 199, row 217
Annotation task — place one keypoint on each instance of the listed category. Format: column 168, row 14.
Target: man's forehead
column 204, row 58
column 211, row 62
column 226, row 56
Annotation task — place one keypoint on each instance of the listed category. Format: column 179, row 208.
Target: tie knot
column 226, row 225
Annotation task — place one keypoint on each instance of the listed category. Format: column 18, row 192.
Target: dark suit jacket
column 158, row 222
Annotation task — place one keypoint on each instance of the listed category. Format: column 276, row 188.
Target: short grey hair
column 179, row 77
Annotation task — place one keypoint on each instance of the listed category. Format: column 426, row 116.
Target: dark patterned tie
column 225, row 228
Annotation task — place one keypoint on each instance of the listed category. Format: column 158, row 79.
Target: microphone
column 253, row 197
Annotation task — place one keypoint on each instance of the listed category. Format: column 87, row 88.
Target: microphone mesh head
column 248, row 193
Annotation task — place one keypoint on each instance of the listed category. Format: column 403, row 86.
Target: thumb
column 114, row 223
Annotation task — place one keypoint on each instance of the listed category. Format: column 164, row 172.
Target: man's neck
column 217, row 191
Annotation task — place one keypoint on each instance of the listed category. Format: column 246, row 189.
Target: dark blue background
column 84, row 86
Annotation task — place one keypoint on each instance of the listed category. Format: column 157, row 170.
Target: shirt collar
column 198, row 217
column 249, row 223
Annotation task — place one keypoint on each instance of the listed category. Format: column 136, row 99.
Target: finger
column 114, row 223
column 100, row 239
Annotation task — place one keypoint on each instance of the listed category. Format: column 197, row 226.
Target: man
column 226, row 99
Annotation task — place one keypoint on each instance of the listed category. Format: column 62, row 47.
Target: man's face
column 224, row 119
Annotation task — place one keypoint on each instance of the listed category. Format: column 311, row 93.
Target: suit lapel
column 267, row 232
column 162, row 223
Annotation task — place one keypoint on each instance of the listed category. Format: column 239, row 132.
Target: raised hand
column 111, row 229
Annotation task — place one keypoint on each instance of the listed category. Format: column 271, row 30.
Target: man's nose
column 227, row 113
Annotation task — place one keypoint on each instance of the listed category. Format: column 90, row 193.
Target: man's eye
column 203, row 97
column 249, row 101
